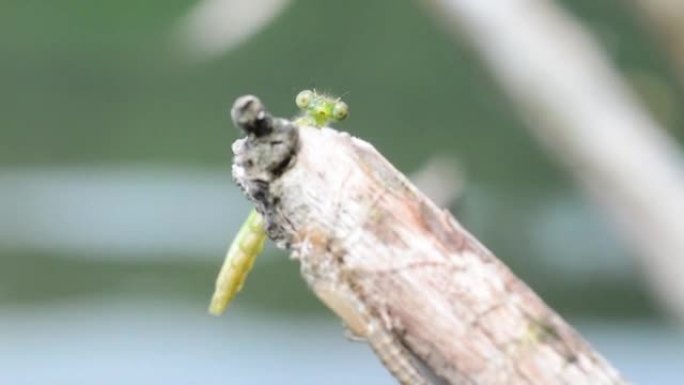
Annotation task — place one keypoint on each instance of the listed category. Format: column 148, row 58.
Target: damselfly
column 317, row 110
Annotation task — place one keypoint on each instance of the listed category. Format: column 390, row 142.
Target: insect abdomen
column 241, row 255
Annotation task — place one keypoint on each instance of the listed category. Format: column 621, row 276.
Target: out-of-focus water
column 110, row 342
column 148, row 343
column 118, row 211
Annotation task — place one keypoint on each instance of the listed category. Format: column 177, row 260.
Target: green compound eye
column 319, row 110
column 303, row 99
column 340, row 110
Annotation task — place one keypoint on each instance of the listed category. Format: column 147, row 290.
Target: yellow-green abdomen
column 241, row 255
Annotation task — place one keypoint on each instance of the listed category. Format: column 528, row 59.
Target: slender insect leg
column 247, row 245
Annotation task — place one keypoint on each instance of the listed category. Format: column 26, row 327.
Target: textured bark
column 436, row 305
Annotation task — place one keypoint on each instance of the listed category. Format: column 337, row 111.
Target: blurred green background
column 105, row 118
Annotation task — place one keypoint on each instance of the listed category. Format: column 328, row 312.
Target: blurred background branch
column 214, row 27
column 665, row 18
column 583, row 113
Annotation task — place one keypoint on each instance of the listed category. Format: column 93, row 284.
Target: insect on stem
column 249, row 114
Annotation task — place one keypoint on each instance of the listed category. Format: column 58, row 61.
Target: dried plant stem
column 436, row 306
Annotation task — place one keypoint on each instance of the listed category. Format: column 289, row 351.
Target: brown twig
column 435, row 305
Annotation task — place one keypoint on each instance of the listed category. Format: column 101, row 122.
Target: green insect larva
column 318, row 111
